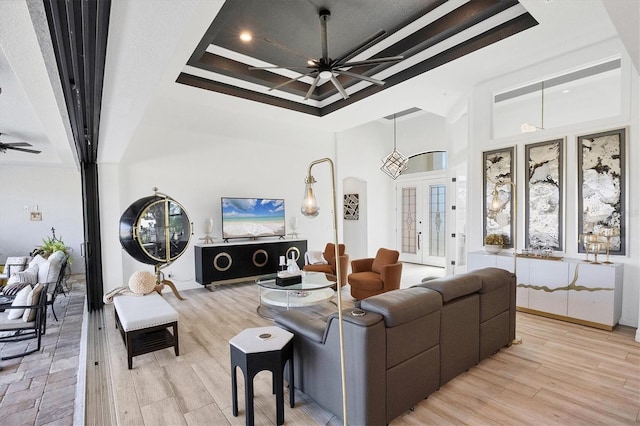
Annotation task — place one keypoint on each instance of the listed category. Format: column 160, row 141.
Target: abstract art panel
column 601, row 185
column 498, row 168
column 351, row 207
column 544, row 195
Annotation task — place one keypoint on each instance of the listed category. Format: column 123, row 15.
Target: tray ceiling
column 427, row 33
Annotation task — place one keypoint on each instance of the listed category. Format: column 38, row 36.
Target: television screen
column 252, row 217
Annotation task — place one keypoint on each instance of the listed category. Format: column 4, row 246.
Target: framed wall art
column 601, row 186
column 351, row 207
column 498, row 168
column 544, row 195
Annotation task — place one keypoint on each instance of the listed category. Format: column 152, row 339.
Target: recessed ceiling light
column 565, row 91
column 246, row 36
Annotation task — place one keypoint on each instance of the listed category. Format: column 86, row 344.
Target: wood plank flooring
column 562, row 373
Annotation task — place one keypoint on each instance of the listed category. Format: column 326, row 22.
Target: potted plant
column 51, row 245
column 493, row 243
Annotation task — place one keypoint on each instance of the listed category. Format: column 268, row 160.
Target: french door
column 421, row 229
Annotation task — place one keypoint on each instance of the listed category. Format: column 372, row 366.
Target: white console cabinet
column 567, row 289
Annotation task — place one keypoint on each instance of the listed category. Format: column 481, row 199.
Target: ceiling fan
column 16, row 146
column 326, row 68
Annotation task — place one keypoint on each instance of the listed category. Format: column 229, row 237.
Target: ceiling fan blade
column 336, row 83
column 279, row 46
column 360, row 76
column 280, row 68
column 324, row 17
column 360, row 48
column 371, row 61
column 32, row 151
column 290, row 81
column 18, row 144
column 313, row 87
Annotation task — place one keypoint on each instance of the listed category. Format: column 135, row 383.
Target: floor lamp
column 310, row 209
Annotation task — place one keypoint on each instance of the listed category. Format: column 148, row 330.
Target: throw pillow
column 12, row 288
column 20, row 300
column 30, row 276
column 37, row 260
column 32, row 299
column 49, row 270
column 142, row 282
column 316, row 258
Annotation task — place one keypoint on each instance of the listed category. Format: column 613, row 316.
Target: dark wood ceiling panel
column 287, row 33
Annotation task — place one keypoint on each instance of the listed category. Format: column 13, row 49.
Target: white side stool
column 255, row 350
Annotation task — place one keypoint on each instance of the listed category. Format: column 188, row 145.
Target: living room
column 199, row 146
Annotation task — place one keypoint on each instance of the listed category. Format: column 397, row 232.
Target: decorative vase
column 493, row 248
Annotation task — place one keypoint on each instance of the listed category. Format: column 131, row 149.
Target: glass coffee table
column 314, row 289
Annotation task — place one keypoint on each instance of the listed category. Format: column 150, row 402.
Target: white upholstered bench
column 144, row 323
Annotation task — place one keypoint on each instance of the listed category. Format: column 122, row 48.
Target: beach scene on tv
column 252, row 217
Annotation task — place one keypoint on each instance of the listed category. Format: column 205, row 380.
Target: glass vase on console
column 609, row 233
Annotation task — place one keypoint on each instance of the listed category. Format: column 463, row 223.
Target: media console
column 226, row 263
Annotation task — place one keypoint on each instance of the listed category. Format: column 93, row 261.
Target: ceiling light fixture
column 325, row 75
column 395, row 163
column 246, row 36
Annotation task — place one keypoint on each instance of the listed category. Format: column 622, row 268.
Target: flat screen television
column 252, row 217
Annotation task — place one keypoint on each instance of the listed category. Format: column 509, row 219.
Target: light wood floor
column 561, row 374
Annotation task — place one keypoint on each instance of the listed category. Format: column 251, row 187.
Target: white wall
column 261, row 159
column 57, row 194
column 480, row 140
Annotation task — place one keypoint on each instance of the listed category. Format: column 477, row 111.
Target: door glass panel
column 409, row 234
column 437, row 200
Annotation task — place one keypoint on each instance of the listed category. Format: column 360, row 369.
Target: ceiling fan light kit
column 326, row 68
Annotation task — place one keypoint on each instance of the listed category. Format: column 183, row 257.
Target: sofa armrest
column 317, row 363
column 390, row 275
column 301, row 323
column 361, row 265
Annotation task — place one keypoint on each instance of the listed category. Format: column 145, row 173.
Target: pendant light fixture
column 395, row 163
column 528, row 128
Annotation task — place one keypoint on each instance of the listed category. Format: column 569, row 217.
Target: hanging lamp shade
column 395, row 162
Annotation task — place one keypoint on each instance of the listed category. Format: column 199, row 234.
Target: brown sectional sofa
column 407, row 344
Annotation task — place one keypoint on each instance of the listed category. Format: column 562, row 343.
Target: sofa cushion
column 20, row 300
column 384, row 257
column 327, row 269
column 454, row 286
column 33, row 298
column 401, row 306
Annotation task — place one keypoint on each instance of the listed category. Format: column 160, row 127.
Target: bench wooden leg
column 176, row 346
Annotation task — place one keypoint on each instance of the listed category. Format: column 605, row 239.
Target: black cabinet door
column 234, row 261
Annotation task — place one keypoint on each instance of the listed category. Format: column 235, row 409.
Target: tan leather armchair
column 377, row 275
column 330, row 268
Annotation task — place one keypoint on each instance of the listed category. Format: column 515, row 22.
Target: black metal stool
column 255, row 350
